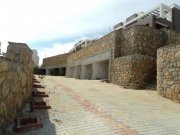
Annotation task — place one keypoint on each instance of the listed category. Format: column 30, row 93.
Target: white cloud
column 27, row 20
column 42, row 20
column 36, row 19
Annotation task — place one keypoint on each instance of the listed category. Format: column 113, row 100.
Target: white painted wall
column 77, row 72
column 35, row 58
column 83, row 72
column 71, row 71
column 100, row 70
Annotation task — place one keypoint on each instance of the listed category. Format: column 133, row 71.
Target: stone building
column 127, row 56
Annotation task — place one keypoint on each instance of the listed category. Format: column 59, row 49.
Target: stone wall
column 173, row 38
column 55, row 60
column 134, row 61
column 15, row 81
column 133, row 71
column 134, row 55
column 94, row 48
column 168, row 72
column 139, row 40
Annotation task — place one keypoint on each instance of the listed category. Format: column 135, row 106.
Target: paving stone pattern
column 91, row 107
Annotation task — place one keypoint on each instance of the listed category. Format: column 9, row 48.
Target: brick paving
column 91, row 107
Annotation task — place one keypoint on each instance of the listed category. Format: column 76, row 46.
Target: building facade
column 55, row 65
column 35, row 58
column 127, row 56
column 162, row 16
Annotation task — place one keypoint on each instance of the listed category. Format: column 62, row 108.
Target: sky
column 52, row 27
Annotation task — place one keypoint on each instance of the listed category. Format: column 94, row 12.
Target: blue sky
column 54, row 26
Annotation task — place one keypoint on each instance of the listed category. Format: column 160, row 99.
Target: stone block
column 23, row 79
column 3, row 66
column 10, row 76
column 3, row 109
column 5, row 89
column 170, row 55
column 2, row 77
column 178, row 64
column 177, row 54
column 177, row 88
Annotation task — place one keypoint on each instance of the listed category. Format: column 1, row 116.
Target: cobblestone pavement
column 91, row 107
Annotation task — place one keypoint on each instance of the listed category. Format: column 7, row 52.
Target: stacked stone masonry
column 168, row 72
column 139, row 40
column 133, row 71
column 55, row 60
column 98, row 46
column 16, row 72
column 136, row 48
column 129, row 56
column 134, row 62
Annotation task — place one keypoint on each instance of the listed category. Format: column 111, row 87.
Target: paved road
column 91, row 107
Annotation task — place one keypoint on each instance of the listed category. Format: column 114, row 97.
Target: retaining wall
column 15, row 81
column 168, row 72
column 98, row 46
column 55, row 60
column 133, row 71
column 134, row 59
column 139, row 40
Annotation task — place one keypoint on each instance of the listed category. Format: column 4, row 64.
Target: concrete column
column 100, row 70
column 83, row 72
column 109, row 70
column 94, row 71
column 77, row 72
column 62, row 71
column 67, row 71
column 46, row 72
column 89, row 71
column 71, row 71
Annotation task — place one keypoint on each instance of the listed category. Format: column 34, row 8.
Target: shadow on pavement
column 48, row 125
